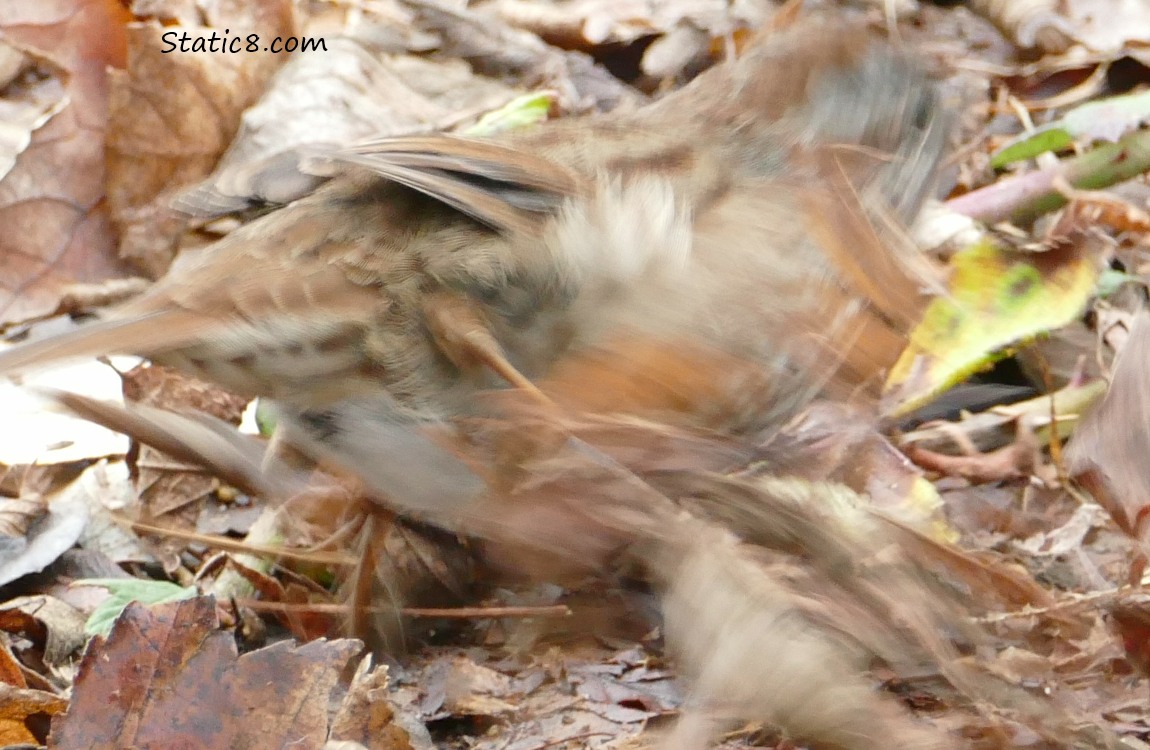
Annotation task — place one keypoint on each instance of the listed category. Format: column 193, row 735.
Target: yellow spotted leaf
column 998, row 299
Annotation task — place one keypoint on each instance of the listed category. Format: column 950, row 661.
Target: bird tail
column 145, row 335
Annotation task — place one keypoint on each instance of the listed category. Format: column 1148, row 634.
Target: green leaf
column 520, row 112
column 1031, row 145
column 1101, row 120
column 1111, row 280
column 265, row 418
column 126, row 590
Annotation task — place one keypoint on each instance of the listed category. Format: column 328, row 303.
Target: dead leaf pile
column 941, row 579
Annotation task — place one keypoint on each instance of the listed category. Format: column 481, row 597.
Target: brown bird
column 719, row 257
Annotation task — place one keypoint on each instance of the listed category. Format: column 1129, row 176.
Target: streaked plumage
column 718, row 257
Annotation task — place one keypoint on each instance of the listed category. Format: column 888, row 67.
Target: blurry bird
column 716, row 258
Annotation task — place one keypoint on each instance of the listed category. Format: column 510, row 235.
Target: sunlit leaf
column 997, row 299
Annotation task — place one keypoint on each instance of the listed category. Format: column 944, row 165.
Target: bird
column 717, row 258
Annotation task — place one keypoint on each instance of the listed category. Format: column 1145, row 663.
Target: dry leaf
column 177, row 682
column 51, row 200
column 173, row 114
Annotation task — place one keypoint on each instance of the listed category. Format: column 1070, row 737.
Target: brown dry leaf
column 35, row 530
column 302, row 623
column 172, row 493
column 1068, row 537
column 22, row 714
column 172, row 114
column 495, row 48
column 1131, row 620
column 368, row 715
column 385, row 25
column 57, row 230
column 11, row 673
column 55, row 628
column 28, row 103
column 1108, row 452
column 112, row 491
column 575, row 696
column 18, row 514
column 58, row 506
column 622, row 691
column 1020, row 667
column 470, row 689
column 348, row 94
column 168, row 677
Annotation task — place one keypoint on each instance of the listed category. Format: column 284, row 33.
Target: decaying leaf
column 1109, row 449
column 169, row 492
column 368, row 715
column 35, row 530
column 29, row 103
column 20, row 708
column 682, row 30
column 997, row 299
column 173, row 114
column 54, row 626
column 51, row 198
column 495, row 48
column 178, row 682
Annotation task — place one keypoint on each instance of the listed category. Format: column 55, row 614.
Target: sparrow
column 716, row 258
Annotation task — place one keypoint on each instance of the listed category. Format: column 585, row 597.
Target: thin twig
column 457, row 613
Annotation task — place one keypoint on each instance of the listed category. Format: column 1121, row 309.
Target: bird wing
column 500, row 186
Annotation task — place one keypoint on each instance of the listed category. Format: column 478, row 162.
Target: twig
column 458, row 613
column 1023, row 199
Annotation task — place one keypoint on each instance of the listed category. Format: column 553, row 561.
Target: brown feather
column 743, row 232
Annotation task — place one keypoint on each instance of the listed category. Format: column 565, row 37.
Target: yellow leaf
column 998, row 299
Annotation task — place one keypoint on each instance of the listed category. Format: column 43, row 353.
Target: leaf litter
column 808, row 583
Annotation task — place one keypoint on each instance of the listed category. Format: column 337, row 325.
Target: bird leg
column 460, row 331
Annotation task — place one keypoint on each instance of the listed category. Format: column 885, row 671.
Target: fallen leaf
column 55, row 628
column 124, row 591
column 18, row 706
column 52, row 199
column 1098, row 120
column 167, row 677
column 173, row 113
column 997, row 299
